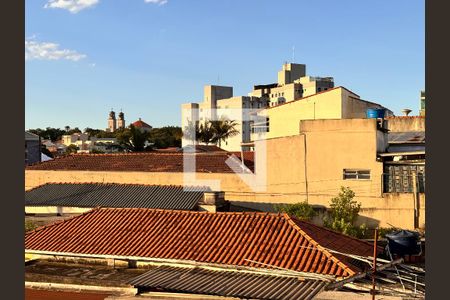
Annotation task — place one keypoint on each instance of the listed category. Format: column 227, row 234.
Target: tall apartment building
column 219, row 101
column 292, row 84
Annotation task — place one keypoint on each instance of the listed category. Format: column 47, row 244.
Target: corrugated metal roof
column 31, row 136
column 406, row 137
column 114, row 195
column 227, row 283
column 237, row 239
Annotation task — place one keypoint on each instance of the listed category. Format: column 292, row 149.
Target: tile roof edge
column 61, row 221
column 319, row 247
column 117, row 183
column 337, row 232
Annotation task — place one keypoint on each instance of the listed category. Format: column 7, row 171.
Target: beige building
column 75, row 139
column 311, row 165
column 292, row 84
column 219, row 101
column 336, row 103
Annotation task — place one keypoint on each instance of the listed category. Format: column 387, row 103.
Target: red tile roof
column 143, row 162
column 239, row 239
column 141, row 124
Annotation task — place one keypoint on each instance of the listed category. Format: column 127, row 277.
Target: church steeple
column 112, row 121
column 121, row 120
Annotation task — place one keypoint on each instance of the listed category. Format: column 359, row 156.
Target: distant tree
column 107, row 134
column 168, row 136
column 223, row 129
column 301, row 210
column 74, row 130
column 71, row 149
column 212, row 132
column 67, row 128
column 49, row 133
column 132, row 138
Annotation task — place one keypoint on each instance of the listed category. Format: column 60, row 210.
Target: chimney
column 406, row 111
column 212, row 201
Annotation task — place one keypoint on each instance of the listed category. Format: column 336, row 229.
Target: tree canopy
column 212, row 131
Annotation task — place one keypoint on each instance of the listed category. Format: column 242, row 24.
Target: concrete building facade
column 336, row 103
column 219, row 101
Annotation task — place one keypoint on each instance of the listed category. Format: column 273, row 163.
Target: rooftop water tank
column 404, row 242
column 375, row 113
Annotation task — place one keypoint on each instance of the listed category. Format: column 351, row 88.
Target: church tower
column 121, row 121
column 112, row 121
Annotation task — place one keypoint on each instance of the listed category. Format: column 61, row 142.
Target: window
column 356, row 174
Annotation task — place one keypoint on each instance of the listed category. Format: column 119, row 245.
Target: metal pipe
column 374, row 262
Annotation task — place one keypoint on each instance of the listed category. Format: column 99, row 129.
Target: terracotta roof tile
column 141, row 124
column 243, row 239
column 141, row 162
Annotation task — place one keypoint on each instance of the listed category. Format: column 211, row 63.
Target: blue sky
column 84, row 57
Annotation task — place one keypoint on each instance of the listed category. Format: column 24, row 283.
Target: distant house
column 32, row 148
column 142, row 125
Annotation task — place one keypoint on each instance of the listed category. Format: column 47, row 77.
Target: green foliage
column 168, row 136
column 132, row 138
column 29, row 225
column 97, row 151
column 49, row 133
column 72, row 131
column 212, row 132
column 301, row 210
column 343, row 214
column 223, row 129
column 71, row 149
column 382, row 231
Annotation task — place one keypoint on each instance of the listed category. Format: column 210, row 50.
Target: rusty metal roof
column 237, row 239
column 406, row 137
column 227, row 283
column 114, row 195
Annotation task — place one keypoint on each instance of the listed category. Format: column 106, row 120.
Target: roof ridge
column 318, row 246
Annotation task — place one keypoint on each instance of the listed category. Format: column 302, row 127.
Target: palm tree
column 223, row 129
column 211, row 132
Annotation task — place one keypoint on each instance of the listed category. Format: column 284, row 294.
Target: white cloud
column 73, row 6
column 159, row 2
column 49, row 51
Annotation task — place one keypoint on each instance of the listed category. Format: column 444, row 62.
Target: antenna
column 293, row 54
column 218, row 79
